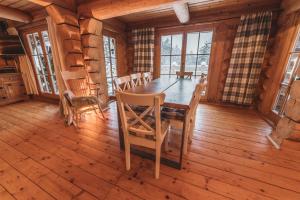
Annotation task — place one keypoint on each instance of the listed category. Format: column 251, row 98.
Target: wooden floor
column 229, row 158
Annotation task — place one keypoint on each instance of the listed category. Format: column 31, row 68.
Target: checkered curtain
column 143, row 41
column 246, row 58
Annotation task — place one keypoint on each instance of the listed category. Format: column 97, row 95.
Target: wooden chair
column 147, row 77
column 145, row 129
column 187, row 75
column 177, row 118
column 84, row 102
column 136, row 79
column 122, row 83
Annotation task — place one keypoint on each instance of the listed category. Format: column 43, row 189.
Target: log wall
column 275, row 62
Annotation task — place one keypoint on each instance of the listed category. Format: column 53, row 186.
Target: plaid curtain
column 143, row 42
column 247, row 56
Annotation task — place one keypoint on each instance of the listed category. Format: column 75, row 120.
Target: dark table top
column 179, row 92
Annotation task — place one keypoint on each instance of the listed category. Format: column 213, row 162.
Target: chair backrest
column 76, row 81
column 138, row 123
column 122, row 83
column 147, row 77
column 195, row 100
column 136, row 79
column 184, row 74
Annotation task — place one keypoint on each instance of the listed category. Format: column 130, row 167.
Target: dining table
column 178, row 94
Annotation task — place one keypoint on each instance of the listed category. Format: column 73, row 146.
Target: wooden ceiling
column 23, row 5
column 198, row 7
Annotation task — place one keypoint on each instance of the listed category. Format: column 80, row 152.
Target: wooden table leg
column 182, row 140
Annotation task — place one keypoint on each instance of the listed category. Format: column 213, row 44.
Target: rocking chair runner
column 145, row 129
column 83, row 103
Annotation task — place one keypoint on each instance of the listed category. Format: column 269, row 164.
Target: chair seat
column 172, row 113
column 83, row 101
column 150, row 120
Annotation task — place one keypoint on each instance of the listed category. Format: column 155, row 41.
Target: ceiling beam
column 290, row 6
column 14, row 14
column 68, row 4
column 106, row 9
column 182, row 12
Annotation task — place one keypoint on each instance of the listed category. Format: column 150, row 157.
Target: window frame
column 172, row 55
column 110, row 61
column 285, row 71
column 25, row 34
column 184, row 31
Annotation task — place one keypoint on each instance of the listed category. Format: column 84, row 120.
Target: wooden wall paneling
column 89, row 40
column 72, row 46
column 68, row 32
column 92, row 65
column 91, row 53
column 74, row 60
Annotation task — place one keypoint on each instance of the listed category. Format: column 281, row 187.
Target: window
column 197, row 52
column 41, row 54
column 171, row 50
column 194, row 59
column 110, row 61
column 289, row 75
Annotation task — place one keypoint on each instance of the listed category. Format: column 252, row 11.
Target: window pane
column 108, row 67
column 190, row 63
column 166, row 45
column 192, row 43
column 106, row 46
column 164, row 64
column 110, row 86
column 38, row 43
column 297, row 45
column 37, row 65
column 175, row 64
column 110, row 61
column 50, row 64
column 176, row 44
column 45, row 85
column 202, row 64
column 114, row 67
column 53, row 77
column 46, row 42
column 278, row 106
column 31, row 44
column 112, row 47
column 205, row 42
column 290, row 68
column 43, row 63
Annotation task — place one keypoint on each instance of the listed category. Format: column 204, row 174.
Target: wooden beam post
column 14, row 14
column 182, row 12
column 107, row 9
column 68, row 4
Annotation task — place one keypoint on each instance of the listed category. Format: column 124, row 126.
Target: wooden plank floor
column 229, row 158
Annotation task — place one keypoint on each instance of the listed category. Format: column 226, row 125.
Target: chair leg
column 157, row 161
column 100, row 109
column 166, row 141
column 127, row 155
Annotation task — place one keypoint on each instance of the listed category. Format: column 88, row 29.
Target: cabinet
column 12, row 88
